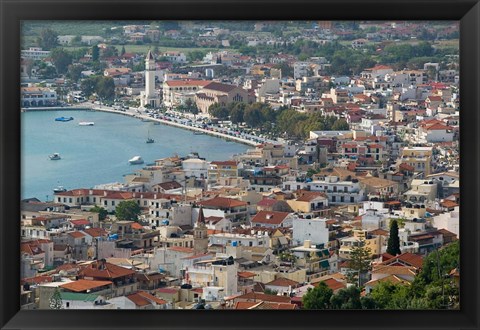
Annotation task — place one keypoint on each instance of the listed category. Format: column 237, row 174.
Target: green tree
column 360, row 263
column 348, row 298
column 61, row 59
column 77, row 41
column 271, row 292
column 75, row 72
column 393, row 246
column 219, row 111
column 253, row 117
column 236, row 113
column 122, row 51
column 55, row 300
column 102, row 213
column 127, row 210
column 105, row 88
column 318, row 297
column 340, row 125
column 48, row 39
column 195, row 55
column 95, row 53
column 87, row 85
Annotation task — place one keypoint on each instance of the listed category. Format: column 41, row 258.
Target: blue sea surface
column 99, row 154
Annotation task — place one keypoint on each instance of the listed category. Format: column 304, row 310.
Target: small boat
column 59, row 189
column 136, row 160
column 55, row 156
column 157, row 123
column 63, row 118
column 86, row 123
column 198, row 133
column 149, row 139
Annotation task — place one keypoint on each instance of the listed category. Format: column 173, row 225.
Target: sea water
column 99, row 154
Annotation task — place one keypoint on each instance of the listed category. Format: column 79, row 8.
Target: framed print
column 239, row 164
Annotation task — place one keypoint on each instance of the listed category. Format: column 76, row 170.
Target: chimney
column 307, row 243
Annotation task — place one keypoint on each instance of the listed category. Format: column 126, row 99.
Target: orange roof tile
column 84, row 285
column 270, row 217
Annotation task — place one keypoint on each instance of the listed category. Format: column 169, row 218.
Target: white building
column 176, row 57
column 256, row 238
column 149, row 97
column 34, row 53
column 314, row 230
column 38, row 97
column 300, row 69
column 338, row 192
column 449, row 221
column 372, row 220
column 195, row 167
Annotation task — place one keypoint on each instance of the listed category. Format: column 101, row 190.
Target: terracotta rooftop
column 283, row 282
column 270, row 217
column 254, row 296
column 99, row 269
column 84, row 285
column 222, row 202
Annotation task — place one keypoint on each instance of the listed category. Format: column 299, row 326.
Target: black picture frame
column 13, row 12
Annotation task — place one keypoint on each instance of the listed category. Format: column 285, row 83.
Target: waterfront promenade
column 132, row 112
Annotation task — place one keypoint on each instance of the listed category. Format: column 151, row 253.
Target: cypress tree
column 393, row 246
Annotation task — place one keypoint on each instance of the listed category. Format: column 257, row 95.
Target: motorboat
column 86, row 123
column 55, row 156
column 198, row 133
column 63, row 118
column 59, row 189
column 136, row 160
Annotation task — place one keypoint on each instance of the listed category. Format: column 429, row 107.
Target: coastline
column 144, row 117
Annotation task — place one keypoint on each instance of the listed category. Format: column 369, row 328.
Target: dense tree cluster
column 128, row 210
column 103, row 86
column 284, row 121
column 432, row 288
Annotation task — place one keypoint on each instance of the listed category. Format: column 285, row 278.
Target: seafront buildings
column 339, row 159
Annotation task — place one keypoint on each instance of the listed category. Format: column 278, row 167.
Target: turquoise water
column 99, row 154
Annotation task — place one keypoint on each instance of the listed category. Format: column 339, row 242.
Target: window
column 67, row 304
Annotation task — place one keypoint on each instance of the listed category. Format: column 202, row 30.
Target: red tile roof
column 178, row 83
column 222, row 202
column 95, row 232
column 270, row 217
column 98, row 269
column 84, row 285
column 181, row 249
column 254, row 296
column 283, row 282
column 76, row 234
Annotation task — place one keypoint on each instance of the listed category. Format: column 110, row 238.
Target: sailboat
column 149, row 139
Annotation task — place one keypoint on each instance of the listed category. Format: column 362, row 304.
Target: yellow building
column 420, row 158
column 360, row 238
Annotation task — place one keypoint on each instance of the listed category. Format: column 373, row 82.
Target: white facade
column 149, row 97
column 372, row 220
column 314, row 230
column 195, row 167
column 34, row 53
column 338, row 192
column 257, row 239
column 449, row 221
column 300, row 69
column 38, row 97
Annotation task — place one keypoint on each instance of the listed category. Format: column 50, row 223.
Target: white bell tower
column 149, row 96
